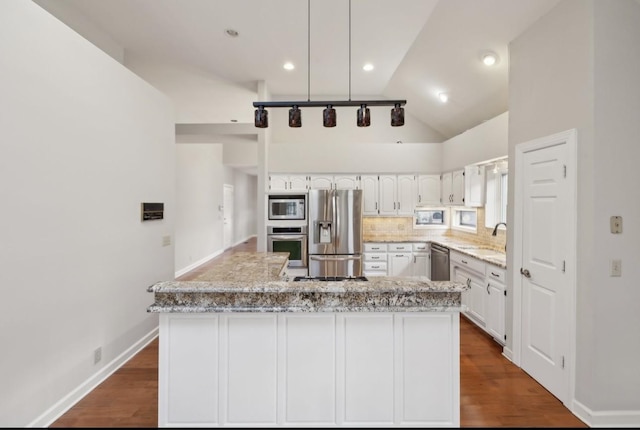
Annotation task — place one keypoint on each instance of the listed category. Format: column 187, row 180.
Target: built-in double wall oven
column 287, row 227
column 291, row 239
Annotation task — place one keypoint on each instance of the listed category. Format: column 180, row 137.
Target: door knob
column 525, row 272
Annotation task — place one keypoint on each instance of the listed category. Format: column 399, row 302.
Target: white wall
column 198, row 96
column 578, row 67
column 615, row 377
column 484, row 142
column 84, row 142
column 355, row 157
column 199, row 192
column 245, row 189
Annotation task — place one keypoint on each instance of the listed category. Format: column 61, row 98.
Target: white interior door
column 545, row 267
column 228, row 216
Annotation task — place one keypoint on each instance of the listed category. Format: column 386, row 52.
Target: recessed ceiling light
column 489, row 58
column 289, row 66
column 367, row 67
column 231, row 32
column 444, row 97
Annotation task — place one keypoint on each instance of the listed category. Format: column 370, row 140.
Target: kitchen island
column 246, row 345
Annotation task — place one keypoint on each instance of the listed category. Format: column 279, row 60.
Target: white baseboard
column 506, row 352
column 200, row 262
column 67, row 402
column 609, row 419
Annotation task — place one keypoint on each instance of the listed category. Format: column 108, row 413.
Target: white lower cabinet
column 309, row 370
column 422, row 259
column 400, row 259
column 375, row 259
column 485, row 300
column 496, row 302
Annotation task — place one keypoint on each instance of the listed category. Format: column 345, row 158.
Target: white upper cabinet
column 346, row 182
column 406, row 194
column 336, row 182
column 397, row 194
column 428, row 190
column 369, row 184
column 453, row 188
column 284, row 182
column 318, row 182
column 474, row 186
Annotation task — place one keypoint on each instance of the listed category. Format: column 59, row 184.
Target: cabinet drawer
column 468, row 262
column 418, row 247
column 496, row 273
column 372, row 266
column 401, row 247
column 375, row 256
column 375, row 247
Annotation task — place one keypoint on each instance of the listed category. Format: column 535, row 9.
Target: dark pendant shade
column 364, row 116
column 295, row 117
column 262, row 118
column 397, row 116
column 329, row 117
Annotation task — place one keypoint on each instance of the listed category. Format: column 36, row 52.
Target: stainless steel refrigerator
column 335, row 233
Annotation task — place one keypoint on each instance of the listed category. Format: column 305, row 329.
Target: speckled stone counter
column 244, row 345
column 472, row 249
column 257, row 282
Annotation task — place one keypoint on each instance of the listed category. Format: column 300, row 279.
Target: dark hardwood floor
column 493, row 391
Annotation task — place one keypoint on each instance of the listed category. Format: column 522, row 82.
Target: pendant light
column 262, row 117
column 397, row 116
column 329, row 116
column 363, row 114
column 364, row 117
column 295, row 117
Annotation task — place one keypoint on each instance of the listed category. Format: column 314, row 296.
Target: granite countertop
column 257, row 282
column 477, row 250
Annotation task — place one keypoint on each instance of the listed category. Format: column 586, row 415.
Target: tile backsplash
column 401, row 228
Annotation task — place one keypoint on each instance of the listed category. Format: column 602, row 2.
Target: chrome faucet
column 495, row 229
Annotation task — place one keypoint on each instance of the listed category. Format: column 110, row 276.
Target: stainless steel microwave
column 287, row 207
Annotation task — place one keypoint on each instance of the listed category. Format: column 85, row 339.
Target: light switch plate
column 616, row 267
column 616, row 224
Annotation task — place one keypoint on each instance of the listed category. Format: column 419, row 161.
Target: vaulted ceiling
column 418, row 48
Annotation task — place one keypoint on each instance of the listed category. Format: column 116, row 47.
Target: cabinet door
column 460, row 276
column 347, row 182
column 406, row 194
column 370, row 193
column 447, row 188
column 298, row 183
column 320, row 182
column 421, row 264
column 388, row 195
column 278, row 182
column 400, row 264
column 457, row 187
column 495, row 310
column 477, row 299
column 428, row 190
column 474, row 186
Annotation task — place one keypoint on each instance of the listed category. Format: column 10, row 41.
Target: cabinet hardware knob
column 488, row 292
column 525, row 272
column 495, row 274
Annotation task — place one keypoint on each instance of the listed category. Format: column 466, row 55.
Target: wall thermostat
column 151, row 211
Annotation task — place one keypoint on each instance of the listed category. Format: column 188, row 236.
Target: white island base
column 350, row 369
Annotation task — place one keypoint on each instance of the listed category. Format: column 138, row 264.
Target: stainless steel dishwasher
column 439, row 263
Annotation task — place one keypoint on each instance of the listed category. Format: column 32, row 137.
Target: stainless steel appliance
column 439, row 263
column 287, row 206
column 289, row 239
column 335, row 233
